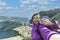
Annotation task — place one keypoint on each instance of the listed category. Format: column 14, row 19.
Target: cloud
column 25, row 2
column 4, row 6
column 43, row 8
column 55, row 8
column 8, row 8
column 32, row 7
column 11, row 7
column 37, row 8
column 22, row 5
column 34, row 0
column 47, row 2
column 3, row 3
column 37, row 1
column 53, row 0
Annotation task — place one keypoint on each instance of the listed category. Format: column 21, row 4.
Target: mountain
column 8, row 18
column 7, row 23
column 50, row 13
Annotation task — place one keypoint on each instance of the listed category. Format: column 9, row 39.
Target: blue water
column 7, row 34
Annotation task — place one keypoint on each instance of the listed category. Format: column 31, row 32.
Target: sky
column 26, row 8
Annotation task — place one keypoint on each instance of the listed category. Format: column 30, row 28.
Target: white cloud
column 11, row 7
column 52, row 0
column 44, row 2
column 22, row 5
column 39, row 2
column 3, row 3
column 55, row 8
column 28, row 1
column 25, row 2
column 47, row 3
column 34, row 0
column 32, row 7
column 4, row 6
column 8, row 8
column 44, row 8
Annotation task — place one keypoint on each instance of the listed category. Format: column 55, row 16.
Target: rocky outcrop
column 24, row 32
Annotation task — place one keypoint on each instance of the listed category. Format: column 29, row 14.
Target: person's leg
column 55, row 37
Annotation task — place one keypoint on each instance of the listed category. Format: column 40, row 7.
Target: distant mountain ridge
column 7, row 23
column 8, row 18
column 50, row 13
